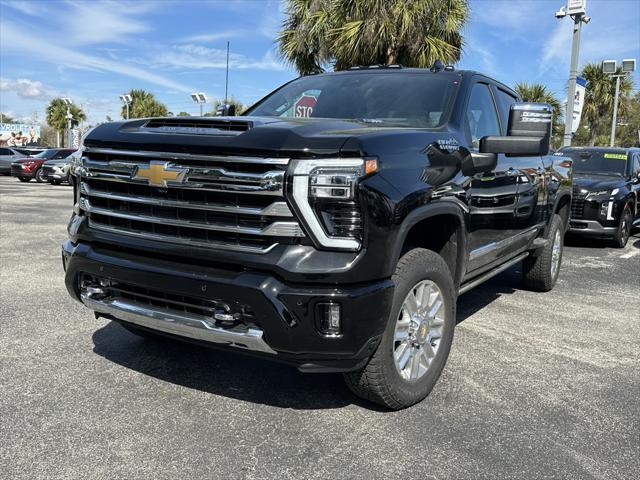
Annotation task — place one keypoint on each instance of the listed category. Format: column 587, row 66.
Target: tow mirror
column 477, row 162
column 528, row 132
column 226, row 110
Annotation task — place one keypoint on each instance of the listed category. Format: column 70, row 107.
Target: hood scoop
column 197, row 126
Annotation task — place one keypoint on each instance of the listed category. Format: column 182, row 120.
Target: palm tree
column 56, row 114
column 347, row 33
column 538, row 93
column 144, row 104
column 240, row 107
column 599, row 97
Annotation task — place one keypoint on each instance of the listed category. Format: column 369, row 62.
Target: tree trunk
column 392, row 56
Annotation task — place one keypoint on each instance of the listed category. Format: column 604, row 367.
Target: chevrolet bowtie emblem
column 159, row 173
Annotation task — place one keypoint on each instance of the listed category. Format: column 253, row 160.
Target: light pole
column 610, row 67
column 199, row 97
column 576, row 10
column 126, row 99
column 68, row 102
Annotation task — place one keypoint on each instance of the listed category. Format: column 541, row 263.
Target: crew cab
column 606, row 186
column 332, row 226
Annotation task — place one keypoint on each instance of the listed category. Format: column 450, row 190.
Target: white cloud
column 47, row 49
column 107, row 21
column 215, row 36
column 197, row 57
column 23, row 87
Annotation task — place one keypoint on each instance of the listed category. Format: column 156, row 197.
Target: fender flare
column 559, row 197
column 429, row 211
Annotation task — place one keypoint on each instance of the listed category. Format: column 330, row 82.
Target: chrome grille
column 577, row 204
column 219, row 201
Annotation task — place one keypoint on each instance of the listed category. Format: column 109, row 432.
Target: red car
column 27, row 168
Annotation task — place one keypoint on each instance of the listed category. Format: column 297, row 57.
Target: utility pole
column 576, row 10
column 226, row 83
column 610, row 67
column 68, row 102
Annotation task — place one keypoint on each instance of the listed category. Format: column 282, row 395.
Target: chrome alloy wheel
column 556, row 251
column 418, row 330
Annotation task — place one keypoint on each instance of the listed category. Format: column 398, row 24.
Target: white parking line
column 632, row 253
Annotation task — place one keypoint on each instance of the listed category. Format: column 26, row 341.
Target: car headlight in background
column 325, row 194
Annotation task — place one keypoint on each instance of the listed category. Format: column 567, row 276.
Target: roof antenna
column 437, row 66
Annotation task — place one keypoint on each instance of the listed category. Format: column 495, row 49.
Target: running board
column 490, row 274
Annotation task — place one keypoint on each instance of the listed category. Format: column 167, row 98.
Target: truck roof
column 396, row 69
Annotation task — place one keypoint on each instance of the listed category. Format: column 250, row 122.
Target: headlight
column 325, row 195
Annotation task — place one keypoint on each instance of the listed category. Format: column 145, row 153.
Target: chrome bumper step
column 182, row 324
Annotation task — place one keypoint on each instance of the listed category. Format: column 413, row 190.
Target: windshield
column 382, row 99
column 598, row 161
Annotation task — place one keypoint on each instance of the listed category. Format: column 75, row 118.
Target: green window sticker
column 619, row 156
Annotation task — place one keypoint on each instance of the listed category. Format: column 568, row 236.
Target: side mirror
column 226, row 110
column 475, row 162
column 528, row 132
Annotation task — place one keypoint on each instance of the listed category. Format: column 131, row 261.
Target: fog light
column 328, row 318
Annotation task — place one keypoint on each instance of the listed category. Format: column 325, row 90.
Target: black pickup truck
column 606, row 186
column 332, row 226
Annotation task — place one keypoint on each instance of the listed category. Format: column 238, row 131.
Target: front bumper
column 18, row 170
column 285, row 328
column 54, row 174
column 591, row 228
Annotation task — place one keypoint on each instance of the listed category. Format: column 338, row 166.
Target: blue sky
column 93, row 51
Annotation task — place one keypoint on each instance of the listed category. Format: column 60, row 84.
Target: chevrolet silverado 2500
column 332, row 226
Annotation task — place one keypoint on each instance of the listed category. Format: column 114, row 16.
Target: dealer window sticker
column 618, row 156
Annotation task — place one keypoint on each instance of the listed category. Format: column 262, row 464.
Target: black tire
column 380, row 381
column 24, row 179
column 40, row 178
column 624, row 228
column 55, row 182
column 537, row 272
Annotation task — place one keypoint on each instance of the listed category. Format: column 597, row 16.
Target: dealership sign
column 578, row 103
column 19, row 134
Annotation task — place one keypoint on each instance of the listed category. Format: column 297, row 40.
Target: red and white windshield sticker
column 303, row 108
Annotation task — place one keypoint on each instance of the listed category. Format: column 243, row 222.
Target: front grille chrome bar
column 186, row 156
column 276, row 209
column 275, row 229
column 183, row 324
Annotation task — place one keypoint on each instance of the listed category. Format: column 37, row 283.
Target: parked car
column 57, row 171
column 27, row 168
column 332, row 226
column 606, row 186
column 8, row 155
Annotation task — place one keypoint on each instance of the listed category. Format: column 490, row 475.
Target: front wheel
column 624, row 228
column 541, row 272
column 416, row 342
column 24, row 179
column 55, row 182
column 40, row 178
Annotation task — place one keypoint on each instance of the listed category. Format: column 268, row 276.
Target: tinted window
column 62, row 154
column 382, row 99
column 636, row 163
column 504, row 100
column 597, row 161
column 47, row 153
column 481, row 115
column 5, row 151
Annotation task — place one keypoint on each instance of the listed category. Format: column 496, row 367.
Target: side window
column 481, row 115
column 5, row 151
column 636, row 163
column 505, row 100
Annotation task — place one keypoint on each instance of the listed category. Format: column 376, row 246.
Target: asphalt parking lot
column 537, row 385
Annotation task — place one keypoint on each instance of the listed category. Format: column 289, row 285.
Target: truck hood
column 231, row 135
column 595, row 183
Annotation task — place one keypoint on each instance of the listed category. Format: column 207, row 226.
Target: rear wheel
column 416, row 342
column 40, row 178
column 24, row 179
column 624, row 228
column 541, row 272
